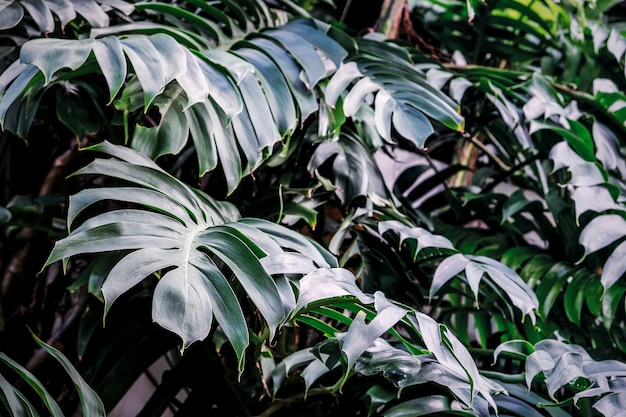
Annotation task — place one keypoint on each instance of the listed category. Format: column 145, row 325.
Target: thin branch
column 391, row 17
column 500, row 178
column 67, row 322
column 344, row 12
column 50, row 185
column 280, row 403
column 491, row 155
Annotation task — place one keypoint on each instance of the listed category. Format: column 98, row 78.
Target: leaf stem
column 280, row 403
column 510, row 378
column 500, row 178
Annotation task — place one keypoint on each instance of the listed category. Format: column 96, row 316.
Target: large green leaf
column 403, row 97
column 445, row 360
column 181, row 233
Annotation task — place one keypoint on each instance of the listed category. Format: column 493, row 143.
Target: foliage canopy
column 298, row 216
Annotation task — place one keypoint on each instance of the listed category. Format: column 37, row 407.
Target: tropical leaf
column 43, row 12
column 184, row 235
column 561, row 366
column 18, row 403
column 503, row 280
column 443, row 360
column 403, row 99
column 348, row 154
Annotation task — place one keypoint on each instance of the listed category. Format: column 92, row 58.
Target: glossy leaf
column 193, row 289
column 477, row 267
column 602, row 231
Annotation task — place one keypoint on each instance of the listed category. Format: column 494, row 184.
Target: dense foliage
column 306, row 208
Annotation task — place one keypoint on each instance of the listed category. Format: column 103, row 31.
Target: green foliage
column 16, row 401
column 280, row 211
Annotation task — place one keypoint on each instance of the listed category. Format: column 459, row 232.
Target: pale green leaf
column 51, row 55
column 11, row 15
column 134, row 268
column 40, row 13
column 64, row 9
column 384, row 109
column 612, row 404
column 411, row 124
column 260, row 287
column 32, row 381
column 361, row 335
column 303, row 52
column 614, row 267
column 226, row 308
column 110, row 56
column 92, row 12
column 325, row 283
column 602, row 231
column 10, row 398
column 342, row 78
column 194, row 83
column 566, row 369
column 305, row 98
column 430, row 405
column 358, row 94
column 148, row 64
column 596, row 199
column 328, row 46
column 170, row 135
column 288, row 263
column 199, row 120
column 447, row 269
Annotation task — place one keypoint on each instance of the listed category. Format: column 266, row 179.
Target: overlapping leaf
column 235, row 105
column 403, row 99
column 561, row 365
column 503, row 280
column 183, row 234
column 442, row 360
column 44, row 12
column 18, row 403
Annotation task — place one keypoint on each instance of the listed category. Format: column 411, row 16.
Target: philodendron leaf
column 427, row 406
column 507, row 281
column 325, row 283
column 563, row 364
column 183, row 232
column 361, row 335
column 51, row 55
column 362, row 348
column 614, row 267
column 402, row 98
column 602, row 231
column 12, row 14
column 612, row 404
column 417, row 237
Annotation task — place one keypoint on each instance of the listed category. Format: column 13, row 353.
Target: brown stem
column 395, row 22
column 391, row 17
column 468, row 157
column 56, row 175
column 61, row 327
